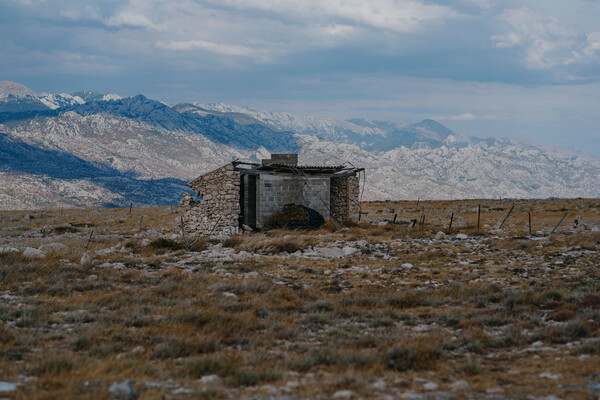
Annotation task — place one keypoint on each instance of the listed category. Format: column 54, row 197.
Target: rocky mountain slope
column 90, row 149
column 15, row 97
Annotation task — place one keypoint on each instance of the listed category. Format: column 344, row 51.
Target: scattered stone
column 30, row 252
column 138, row 350
column 548, row 375
column 8, row 386
column 440, row 236
column 269, row 389
column 8, row 249
column 343, row 394
column 430, row 386
column 495, row 390
column 231, row 295
column 110, row 250
column 53, row 247
column 182, row 390
column 122, row 391
column 27, row 217
column 459, row 385
column 461, row 236
column 210, row 380
column 85, row 259
column 348, row 251
column 378, row 385
column 407, row 265
column 331, row 252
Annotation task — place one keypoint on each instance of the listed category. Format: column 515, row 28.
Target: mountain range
column 89, row 149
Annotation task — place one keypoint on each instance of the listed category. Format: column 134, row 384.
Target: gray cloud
column 480, row 65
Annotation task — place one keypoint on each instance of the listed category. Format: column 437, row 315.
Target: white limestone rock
column 343, row 394
column 31, row 252
column 210, row 380
column 85, row 258
column 57, row 247
column 122, row 391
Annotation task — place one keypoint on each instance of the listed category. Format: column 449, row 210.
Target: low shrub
column 52, row 367
column 419, row 355
column 59, row 230
column 229, row 369
column 174, row 245
column 175, row 347
column 561, row 314
column 469, row 368
column 591, row 301
column 296, row 217
column 407, row 300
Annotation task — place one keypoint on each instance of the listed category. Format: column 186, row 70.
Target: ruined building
column 243, row 195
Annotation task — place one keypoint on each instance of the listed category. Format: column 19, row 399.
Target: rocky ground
column 398, row 306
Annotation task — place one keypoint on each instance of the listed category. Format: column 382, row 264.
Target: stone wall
column 339, row 199
column 353, row 199
column 218, row 210
column 345, row 199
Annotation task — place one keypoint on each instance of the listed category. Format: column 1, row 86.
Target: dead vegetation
column 363, row 310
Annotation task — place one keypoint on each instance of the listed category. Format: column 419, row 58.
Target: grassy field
column 380, row 309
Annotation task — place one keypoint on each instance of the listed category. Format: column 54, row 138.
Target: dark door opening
column 248, row 200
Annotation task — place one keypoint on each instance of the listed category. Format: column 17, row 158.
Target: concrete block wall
column 275, row 191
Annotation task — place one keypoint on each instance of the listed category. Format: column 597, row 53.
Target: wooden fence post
column 529, row 215
column 451, row 219
column 507, row 215
column 139, row 229
column 561, row 220
column 89, row 240
column 478, row 216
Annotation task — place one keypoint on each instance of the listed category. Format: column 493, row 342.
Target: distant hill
column 87, row 148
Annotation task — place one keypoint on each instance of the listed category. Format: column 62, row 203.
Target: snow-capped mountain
column 90, row 150
column 368, row 135
column 88, row 96
column 15, row 90
column 15, row 97
column 54, row 101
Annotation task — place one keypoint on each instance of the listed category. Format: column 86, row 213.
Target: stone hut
column 243, row 195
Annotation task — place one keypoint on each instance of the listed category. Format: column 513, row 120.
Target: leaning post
column 139, row 229
column 507, row 215
column 561, row 220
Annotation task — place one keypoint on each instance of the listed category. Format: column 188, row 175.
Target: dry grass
column 271, row 315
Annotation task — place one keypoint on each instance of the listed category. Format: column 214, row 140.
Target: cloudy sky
column 507, row 68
